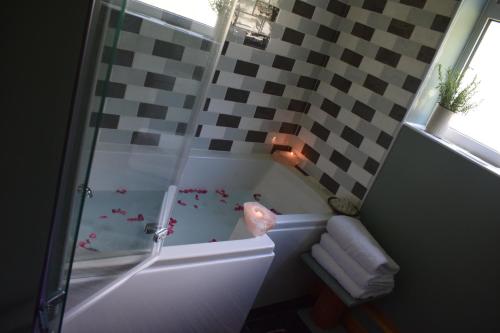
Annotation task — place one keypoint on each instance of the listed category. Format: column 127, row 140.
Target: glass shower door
column 89, row 105
column 147, row 71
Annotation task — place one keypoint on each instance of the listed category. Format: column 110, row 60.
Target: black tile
column 340, row 160
column 284, row 63
column 226, row 120
column 400, row 28
column 281, row 148
column 198, row 131
column 293, row 36
column 327, row 34
column 397, row 112
column 303, row 9
column 181, row 129
column 288, row 128
column 207, row 104
column 341, row 83
column 375, row 5
column 153, row 111
column 159, row 81
column 384, row 140
column 176, row 20
column 411, row 84
column 320, row 131
column 256, row 136
column 111, row 89
column 388, row 57
column 206, row 45
column 130, row 22
column 358, row 190
column 198, row 73
column 145, row 139
column 274, row 88
column 168, row 50
column 310, row 153
column 440, row 23
column 329, row 183
column 330, row 107
column 371, row 165
column 307, row 82
column 375, row 84
column 246, row 68
column 122, row 57
column 363, row 111
column 104, row 120
column 189, row 101
column 222, row 145
column 317, row 58
column 256, row 41
column 264, row 113
column 298, row 106
column 216, row 76
column 351, row 136
column 362, row 31
column 414, row 3
column 351, row 57
column 236, row 95
column 339, row 8
column 224, row 47
column 426, row 54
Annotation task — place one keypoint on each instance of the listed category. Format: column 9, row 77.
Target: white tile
column 426, row 37
column 359, row 174
column 186, row 86
column 148, row 63
column 372, row 149
column 442, row 7
column 140, row 94
column 412, row 66
column 398, row 95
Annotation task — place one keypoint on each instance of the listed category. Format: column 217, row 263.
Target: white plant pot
column 438, row 124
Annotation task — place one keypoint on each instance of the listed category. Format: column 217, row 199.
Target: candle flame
column 258, row 213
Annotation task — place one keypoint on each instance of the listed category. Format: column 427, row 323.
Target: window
column 479, row 130
column 196, row 10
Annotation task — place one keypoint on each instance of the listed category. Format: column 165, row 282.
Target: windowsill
column 457, row 149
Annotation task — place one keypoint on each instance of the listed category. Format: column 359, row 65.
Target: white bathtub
column 210, row 287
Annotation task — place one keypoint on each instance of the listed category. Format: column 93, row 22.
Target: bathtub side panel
column 288, row 276
column 214, row 296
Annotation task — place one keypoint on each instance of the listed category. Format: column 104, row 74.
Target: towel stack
column 355, row 259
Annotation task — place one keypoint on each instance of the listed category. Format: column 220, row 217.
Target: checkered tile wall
column 378, row 58
column 155, row 78
column 332, row 79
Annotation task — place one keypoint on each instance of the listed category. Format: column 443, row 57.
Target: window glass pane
column 197, row 10
column 483, row 123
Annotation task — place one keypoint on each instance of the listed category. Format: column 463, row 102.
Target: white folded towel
column 357, row 242
column 340, row 275
column 355, row 271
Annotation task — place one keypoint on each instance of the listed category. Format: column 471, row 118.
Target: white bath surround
column 210, row 286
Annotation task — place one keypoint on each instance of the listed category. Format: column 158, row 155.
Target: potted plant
column 453, row 98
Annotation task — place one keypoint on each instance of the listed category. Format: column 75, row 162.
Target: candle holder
column 258, row 219
column 286, row 157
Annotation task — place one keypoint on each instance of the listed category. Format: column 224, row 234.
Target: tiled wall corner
column 381, row 54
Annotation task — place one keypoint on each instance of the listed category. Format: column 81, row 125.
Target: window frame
column 491, row 12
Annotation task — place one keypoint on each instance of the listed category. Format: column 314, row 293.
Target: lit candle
column 258, row 219
column 286, row 157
